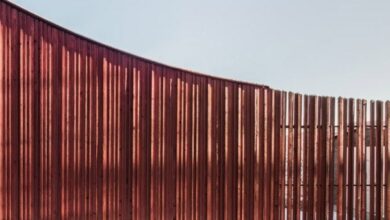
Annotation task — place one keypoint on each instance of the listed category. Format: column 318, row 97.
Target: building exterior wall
column 88, row 131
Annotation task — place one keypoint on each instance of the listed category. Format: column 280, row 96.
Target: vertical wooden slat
column 345, row 150
column 267, row 147
column 15, row 115
column 210, row 123
column 239, row 155
column 387, row 160
column 272, row 154
column 350, row 157
column 22, row 66
column 282, row 142
column 235, row 151
column 37, row 125
column 379, row 168
column 83, row 145
column 316, row 157
column 291, row 105
column 324, row 154
column 331, row 156
column 262, row 147
column 277, row 155
column 249, row 153
column 341, row 160
column 359, row 161
column 2, row 112
column 372, row 159
column 229, row 152
column 319, row 155
column 297, row 156
column 305, row 157
column 364, row 163
column 311, row 159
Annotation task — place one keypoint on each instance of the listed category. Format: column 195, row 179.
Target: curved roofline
column 14, row 5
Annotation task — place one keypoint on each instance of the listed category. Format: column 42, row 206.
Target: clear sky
column 332, row 47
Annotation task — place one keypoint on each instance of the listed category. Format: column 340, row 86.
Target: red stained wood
column 387, row 160
column 341, row 160
column 372, row 147
column 91, row 132
column 350, row 157
column 379, row 159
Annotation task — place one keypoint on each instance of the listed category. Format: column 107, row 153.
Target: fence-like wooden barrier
column 87, row 131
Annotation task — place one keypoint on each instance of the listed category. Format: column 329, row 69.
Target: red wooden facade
column 88, row 131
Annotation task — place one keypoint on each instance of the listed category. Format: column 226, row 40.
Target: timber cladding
column 91, row 132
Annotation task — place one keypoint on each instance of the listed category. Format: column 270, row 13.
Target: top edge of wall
column 20, row 9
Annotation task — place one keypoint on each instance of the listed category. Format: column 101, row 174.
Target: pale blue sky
column 316, row 47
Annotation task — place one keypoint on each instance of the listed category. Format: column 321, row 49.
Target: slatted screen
column 90, row 132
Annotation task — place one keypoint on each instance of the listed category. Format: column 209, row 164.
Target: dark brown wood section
column 91, row 132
